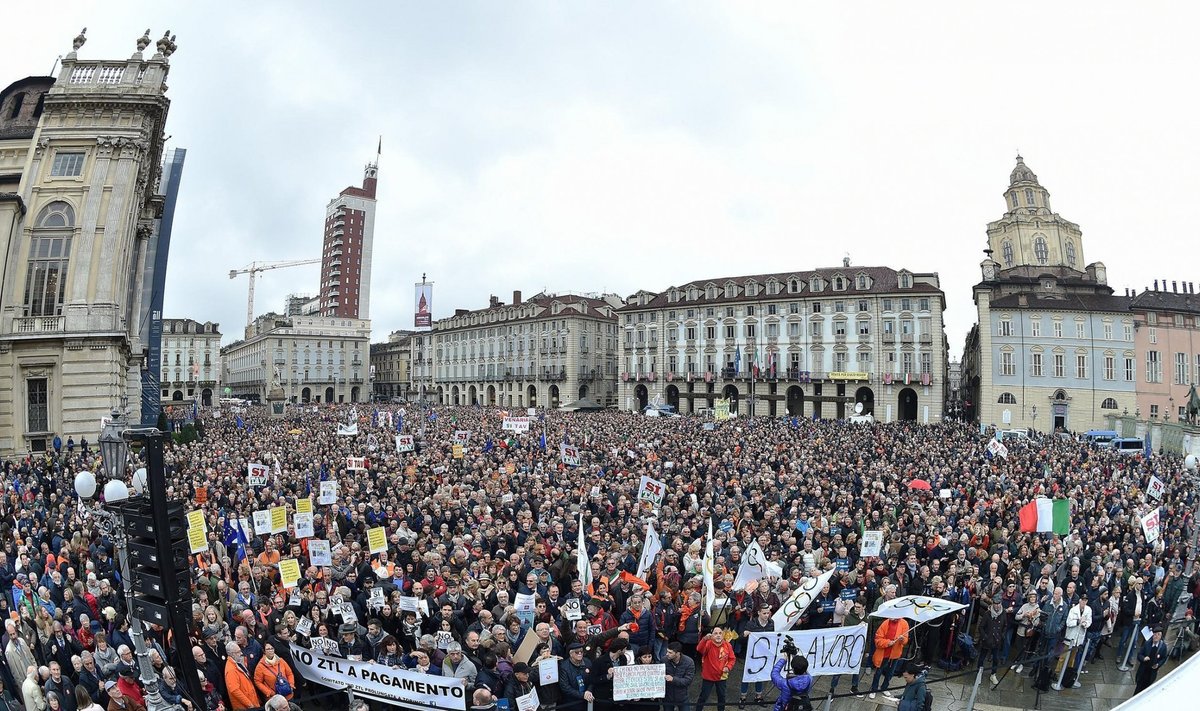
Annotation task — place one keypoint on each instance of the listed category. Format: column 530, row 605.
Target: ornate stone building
column 80, row 161
column 803, row 343
column 1053, row 347
column 390, row 365
column 191, row 361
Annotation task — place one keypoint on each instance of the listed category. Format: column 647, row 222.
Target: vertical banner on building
column 424, row 303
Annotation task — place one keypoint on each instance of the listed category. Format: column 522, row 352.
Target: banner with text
column 423, row 299
column 836, row 650
column 515, row 424
column 639, row 681
column 395, row 686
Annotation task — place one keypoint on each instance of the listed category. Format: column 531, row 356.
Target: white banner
column 304, row 525
column 650, row 549
column 793, row 609
column 1156, row 487
column 639, row 681
column 570, row 454
column 652, row 490
column 1150, row 526
column 834, row 650
column 404, row 443
column 515, row 424
column 328, row 493
column 356, row 464
column 461, row 436
column 318, row 552
column 350, row 430
column 997, row 449
column 529, row 702
column 710, row 591
column 872, row 544
column 257, row 473
column 262, row 522
column 383, row 683
column 755, row 566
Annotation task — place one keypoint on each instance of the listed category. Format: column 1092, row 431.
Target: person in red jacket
column 716, row 661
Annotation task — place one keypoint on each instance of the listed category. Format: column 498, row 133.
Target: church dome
column 1021, row 173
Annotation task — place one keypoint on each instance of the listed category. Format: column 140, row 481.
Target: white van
column 1128, row 445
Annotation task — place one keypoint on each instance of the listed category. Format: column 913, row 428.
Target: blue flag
column 239, row 422
column 229, row 534
column 487, row 445
column 375, row 418
column 542, row 442
column 737, row 360
column 795, row 421
column 241, row 543
column 399, row 423
column 1149, row 450
column 433, row 416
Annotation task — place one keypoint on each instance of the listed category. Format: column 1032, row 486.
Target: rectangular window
column 1036, row 365
column 1154, row 410
column 751, row 331
column 924, row 304
column 887, row 304
column 710, row 333
column 908, row 361
column 815, row 328
column 906, row 304
column 839, row 306
column 772, row 330
column 1079, row 330
column 794, row 307
column 1007, row 366
column 816, row 307
column 1129, row 370
column 37, row 412
column 1081, row 366
column 772, row 309
column 67, row 164
column 750, row 310
column 794, row 329
column 1153, row 367
column 1035, row 328
column 1005, row 328
column 729, row 333
column 926, row 363
column 1110, row 368
column 1153, row 335
column 839, row 328
column 46, row 282
column 1108, row 331
column 691, row 333
column 1058, row 329
column 864, row 328
column 1181, row 369
column 1127, row 332
column 839, row 361
column 1059, row 365
column 863, row 305
column 906, row 327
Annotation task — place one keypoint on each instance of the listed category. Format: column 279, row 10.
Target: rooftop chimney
column 460, row 312
column 493, row 301
column 1174, row 286
column 1156, row 284
column 516, row 298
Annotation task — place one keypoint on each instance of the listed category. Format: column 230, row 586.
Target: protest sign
column 376, row 540
column 375, row 602
column 289, row 572
column 442, row 639
column 350, row 430
column 461, row 436
column 202, row 494
column 356, row 464
column 329, row 493
column 1156, row 487
column 325, row 645
column 652, row 490
column 318, row 553
column 1150, row 526
column 278, row 519
column 304, row 525
column 262, row 522
column 515, row 424
column 570, row 455
column 405, row 443
column 304, row 505
column 257, row 473
column 457, row 451
column 195, row 519
column 528, row 702
column 639, row 681
column 572, row 610
column 872, row 544
column 304, row 626
column 548, row 671
column 197, row 539
column 835, row 650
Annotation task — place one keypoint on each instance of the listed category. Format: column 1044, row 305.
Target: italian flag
column 1046, row 516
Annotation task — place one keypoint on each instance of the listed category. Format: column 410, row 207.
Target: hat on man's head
column 126, row 670
column 453, row 647
column 212, row 631
column 520, row 668
column 573, row 646
column 108, row 685
column 348, row 628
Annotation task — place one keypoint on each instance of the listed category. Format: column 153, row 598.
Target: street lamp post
column 114, row 453
column 1190, row 463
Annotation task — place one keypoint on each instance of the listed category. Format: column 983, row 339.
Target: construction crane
column 254, row 269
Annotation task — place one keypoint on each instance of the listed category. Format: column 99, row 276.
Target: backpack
column 928, row 705
column 282, row 687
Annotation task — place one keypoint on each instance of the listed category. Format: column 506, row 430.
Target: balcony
column 38, row 324
column 337, row 261
column 889, row 338
column 906, row 338
column 926, row 338
column 338, row 232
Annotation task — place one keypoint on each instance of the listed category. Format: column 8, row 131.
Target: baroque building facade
column 190, row 370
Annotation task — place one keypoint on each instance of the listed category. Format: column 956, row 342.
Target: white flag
column 791, row 611
column 349, row 430
column 650, row 549
column 581, row 558
column 755, row 566
column 710, row 591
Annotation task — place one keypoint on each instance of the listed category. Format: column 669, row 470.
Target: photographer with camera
column 794, row 688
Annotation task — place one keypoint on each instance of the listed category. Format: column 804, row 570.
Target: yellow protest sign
column 410, row 470
column 197, row 540
column 458, row 451
column 511, row 468
column 304, row 505
column 278, row 519
column 376, row 540
column 195, row 519
column 289, row 572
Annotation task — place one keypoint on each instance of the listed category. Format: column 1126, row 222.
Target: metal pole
column 829, row 701
column 1057, row 685
column 154, row 700
column 975, row 688
column 1125, row 665
column 1191, row 561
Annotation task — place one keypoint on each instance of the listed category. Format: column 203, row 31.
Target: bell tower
column 1030, row 239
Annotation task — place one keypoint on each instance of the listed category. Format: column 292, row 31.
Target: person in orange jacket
column 238, row 684
column 716, row 661
column 889, row 646
column 273, row 675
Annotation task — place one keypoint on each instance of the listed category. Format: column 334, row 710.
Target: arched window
column 1109, row 404
column 1040, row 250
column 49, row 257
column 1006, row 251
column 1013, row 196
column 1070, row 253
column 1007, row 399
column 1029, row 196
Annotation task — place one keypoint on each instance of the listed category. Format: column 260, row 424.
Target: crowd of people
column 466, row 535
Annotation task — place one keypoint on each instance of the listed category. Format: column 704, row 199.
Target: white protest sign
column 524, row 602
column 548, row 671
column 515, row 424
column 461, row 436
column 318, row 553
column 997, row 449
column 572, row 610
column 945, row 493
column 404, row 443
column 652, row 490
column 375, row 602
column 329, row 493
column 1150, row 526
column 529, row 702
column 639, row 681
column 324, row 645
column 835, row 650
column 442, row 639
column 570, row 454
column 390, row 686
column 262, row 522
column 257, row 473
column 794, row 607
column 1156, row 487
column 872, row 544
column 304, row 525
column 303, row 626
column 409, row 604
column 356, row 464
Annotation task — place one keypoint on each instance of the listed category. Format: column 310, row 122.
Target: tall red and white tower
column 346, row 253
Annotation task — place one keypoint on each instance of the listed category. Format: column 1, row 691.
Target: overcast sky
column 607, row 147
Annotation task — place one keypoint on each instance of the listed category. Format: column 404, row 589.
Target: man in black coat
column 1152, row 656
column 603, row 670
column 680, row 671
